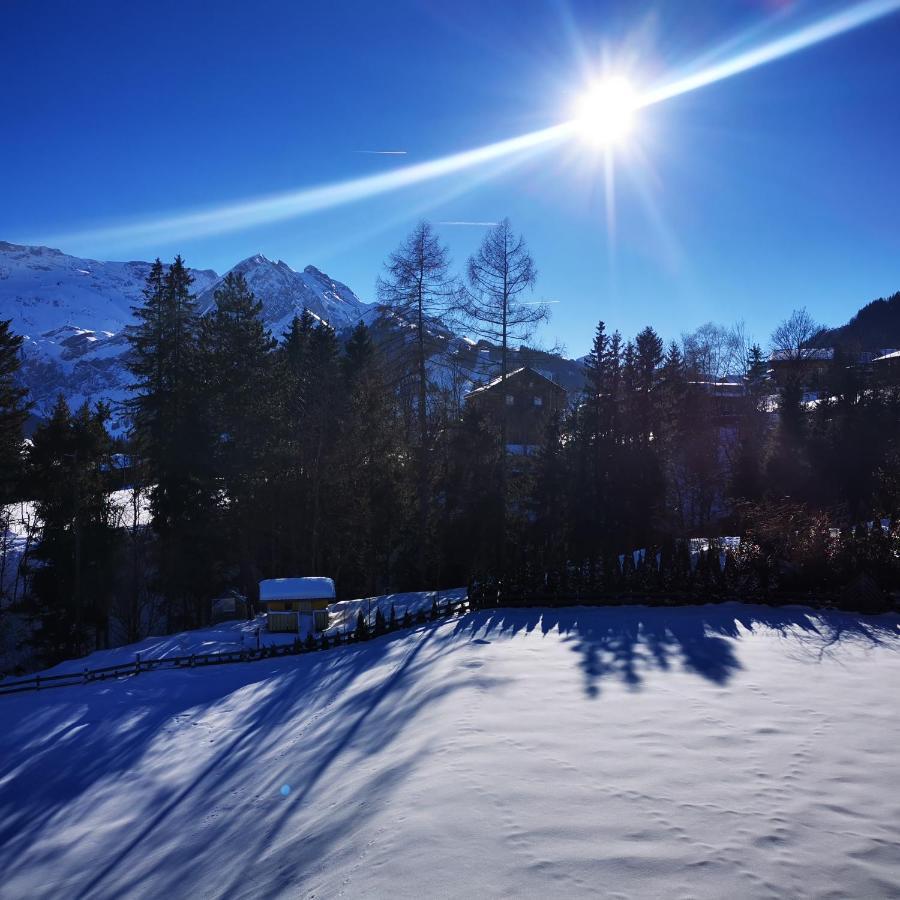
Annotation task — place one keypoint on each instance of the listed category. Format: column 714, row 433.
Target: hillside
column 729, row 751
column 876, row 326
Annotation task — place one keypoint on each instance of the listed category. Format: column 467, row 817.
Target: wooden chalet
column 525, row 398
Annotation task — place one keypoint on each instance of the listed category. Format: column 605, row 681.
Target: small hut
column 298, row 605
column 231, row 605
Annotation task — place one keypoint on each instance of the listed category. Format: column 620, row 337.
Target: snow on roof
column 894, row 355
column 499, row 378
column 296, row 589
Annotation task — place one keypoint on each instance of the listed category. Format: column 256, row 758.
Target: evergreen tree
column 362, row 627
column 13, row 412
column 236, row 353
column 548, row 500
column 369, row 491
column 170, row 432
column 73, row 579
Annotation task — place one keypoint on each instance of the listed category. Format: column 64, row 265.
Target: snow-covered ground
column 719, row 751
column 241, row 633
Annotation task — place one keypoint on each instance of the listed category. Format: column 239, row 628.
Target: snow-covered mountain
column 43, row 289
column 73, row 313
column 285, row 293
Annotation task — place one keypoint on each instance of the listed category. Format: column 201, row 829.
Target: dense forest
column 308, row 453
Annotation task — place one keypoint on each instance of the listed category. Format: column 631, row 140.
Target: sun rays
column 604, row 120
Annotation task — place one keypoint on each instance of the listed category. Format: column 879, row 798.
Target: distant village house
column 527, row 399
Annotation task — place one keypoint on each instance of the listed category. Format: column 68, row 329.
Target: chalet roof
column 514, row 374
column 296, row 589
column 894, row 355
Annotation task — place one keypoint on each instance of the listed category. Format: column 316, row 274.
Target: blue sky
column 773, row 189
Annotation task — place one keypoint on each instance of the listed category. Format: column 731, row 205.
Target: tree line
column 312, row 453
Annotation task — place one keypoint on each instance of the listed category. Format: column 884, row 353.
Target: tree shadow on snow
column 60, row 753
column 627, row 642
column 69, row 746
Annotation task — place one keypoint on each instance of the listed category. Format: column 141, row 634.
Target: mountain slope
column 73, row 313
column 730, row 751
column 43, row 289
column 875, row 326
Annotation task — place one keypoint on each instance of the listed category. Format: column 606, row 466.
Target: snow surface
column 309, row 588
column 704, row 752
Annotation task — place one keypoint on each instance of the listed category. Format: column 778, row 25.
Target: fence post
column 37, row 682
column 137, row 663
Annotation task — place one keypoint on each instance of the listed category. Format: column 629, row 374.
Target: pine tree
column 235, row 354
column 369, row 491
column 170, row 431
column 548, row 500
column 13, row 412
column 73, row 581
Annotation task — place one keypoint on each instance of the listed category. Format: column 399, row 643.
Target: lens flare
column 605, row 114
column 605, row 117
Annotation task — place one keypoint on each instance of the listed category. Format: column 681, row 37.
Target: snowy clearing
column 712, row 751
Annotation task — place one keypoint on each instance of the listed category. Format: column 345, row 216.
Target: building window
column 538, row 401
column 510, row 400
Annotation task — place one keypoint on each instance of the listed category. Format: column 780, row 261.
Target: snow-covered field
column 720, row 751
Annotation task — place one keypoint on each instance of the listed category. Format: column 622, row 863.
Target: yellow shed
column 298, row 605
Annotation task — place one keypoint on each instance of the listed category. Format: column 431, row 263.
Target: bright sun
column 605, row 113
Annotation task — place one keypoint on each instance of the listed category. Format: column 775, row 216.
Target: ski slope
column 717, row 751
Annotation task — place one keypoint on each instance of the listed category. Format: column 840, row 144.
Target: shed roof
column 296, row 589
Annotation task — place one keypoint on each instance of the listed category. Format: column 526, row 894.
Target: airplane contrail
column 236, row 216
column 474, row 224
column 384, row 152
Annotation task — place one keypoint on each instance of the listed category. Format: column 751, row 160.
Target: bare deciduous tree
column 417, row 292
column 498, row 274
column 715, row 352
column 792, row 339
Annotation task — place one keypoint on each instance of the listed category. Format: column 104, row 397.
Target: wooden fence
column 199, row 660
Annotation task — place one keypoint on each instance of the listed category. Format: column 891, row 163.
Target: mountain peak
column 285, row 293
